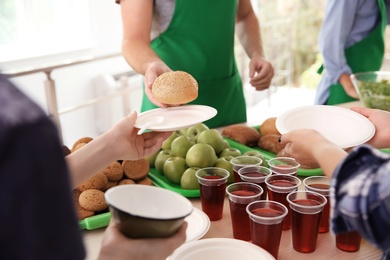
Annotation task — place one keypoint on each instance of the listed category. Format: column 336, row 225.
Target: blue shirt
column 360, row 196
column 345, row 23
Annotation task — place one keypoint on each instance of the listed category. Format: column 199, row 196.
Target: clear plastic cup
column 240, row 195
column 257, row 175
column 306, row 208
column 284, row 165
column 212, row 186
column 242, row 161
column 321, row 185
column 266, row 222
column 279, row 186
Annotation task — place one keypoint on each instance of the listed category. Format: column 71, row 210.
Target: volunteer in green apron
column 200, row 40
column 364, row 55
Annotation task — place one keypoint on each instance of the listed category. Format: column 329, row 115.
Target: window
column 33, row 28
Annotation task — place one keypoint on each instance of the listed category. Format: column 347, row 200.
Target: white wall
column 75, row 84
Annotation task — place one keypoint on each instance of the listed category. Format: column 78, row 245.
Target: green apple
column 224, row 162
column 183, row 131
column 225, row 144
column 174, row 168
column 213, row 138
column 152, row 158
column 230, row 151
column 167, row 143
column 180, row 145
column 194, row 131
column 257, row 154
column 189, row 181
column 201, row 155
column 161, row 157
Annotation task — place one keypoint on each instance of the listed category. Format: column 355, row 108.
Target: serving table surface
column 326, row 247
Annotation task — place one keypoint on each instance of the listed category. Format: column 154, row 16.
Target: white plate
column 198, row 225
column 341, row 126
column 176, row 118
column 220, row 249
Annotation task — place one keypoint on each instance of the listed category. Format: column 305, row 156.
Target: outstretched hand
column 131, row 146
column 381, row 120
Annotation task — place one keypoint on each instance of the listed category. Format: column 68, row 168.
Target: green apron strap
column 200, row 41
column 366, row 55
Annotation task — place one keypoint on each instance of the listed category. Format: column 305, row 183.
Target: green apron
column 200, row 41
column 366, row 55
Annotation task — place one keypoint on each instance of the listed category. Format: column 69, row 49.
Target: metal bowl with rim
column 142, row 211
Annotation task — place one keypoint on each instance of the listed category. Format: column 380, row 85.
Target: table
column 326, row 247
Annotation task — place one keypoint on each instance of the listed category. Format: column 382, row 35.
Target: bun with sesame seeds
column 175, row 87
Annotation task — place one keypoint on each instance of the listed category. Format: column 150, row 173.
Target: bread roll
column 270, row 143
column 243, row 134
column 175, row 87
column 269, row 127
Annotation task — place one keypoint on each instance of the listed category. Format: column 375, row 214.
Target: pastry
column 243, row 134
column 98, row 181
column 93, row 200
column 113, row 172
column 137, row 169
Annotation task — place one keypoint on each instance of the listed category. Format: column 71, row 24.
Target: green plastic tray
column 161, row 181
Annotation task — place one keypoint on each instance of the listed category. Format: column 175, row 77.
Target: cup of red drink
column 212, row 186
column 321, row 185
column 257, row 175
column 266, row 223
column 242, row 161
column 348, row 241
column 306, row 208
column 279, row 186
column 284, row 165
column 240, row 195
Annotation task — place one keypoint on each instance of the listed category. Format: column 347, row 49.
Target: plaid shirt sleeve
column 360, row 196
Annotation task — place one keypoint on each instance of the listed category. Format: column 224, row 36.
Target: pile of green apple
column 191, row 149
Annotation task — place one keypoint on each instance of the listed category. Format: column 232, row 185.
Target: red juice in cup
column 306, row 208
column 284, row 165
column 324, row 223
column 240, row 195
column 266, row 218
column 257, row 175
column 348, row 241
column 242, row 161
column 279, row 186
column 212, row 185
column 321, row 185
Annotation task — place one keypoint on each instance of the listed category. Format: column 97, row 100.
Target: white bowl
column 142, row 211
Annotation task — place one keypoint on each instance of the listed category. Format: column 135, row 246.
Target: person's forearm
column 91, row 159
column 328, row 157
column 248, row 32
column 139, row 55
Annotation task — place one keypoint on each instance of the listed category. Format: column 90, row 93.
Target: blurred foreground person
column 37, row 210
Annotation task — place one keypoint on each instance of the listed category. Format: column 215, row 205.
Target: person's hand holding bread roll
column 166, row 88
column 154, row 70
column 175, row 88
